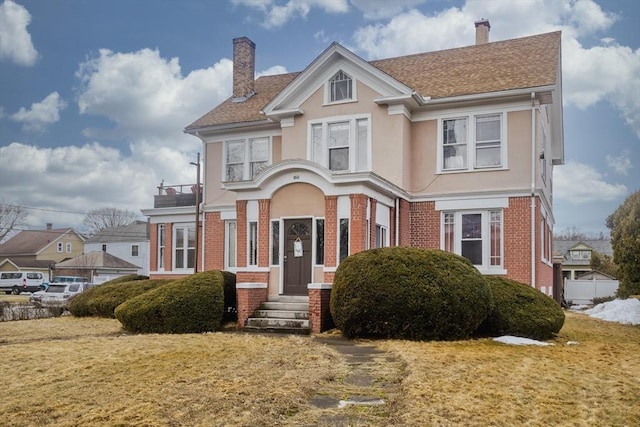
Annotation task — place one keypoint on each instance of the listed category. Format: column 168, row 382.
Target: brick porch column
column 330, row 235
column 249, row 297
column 214, row 241
column 358, row 224
column 319, row 310
column 263, row 232
column 373, row 203
column 153, row 247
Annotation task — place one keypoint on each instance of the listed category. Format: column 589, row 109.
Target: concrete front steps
column 281, row 314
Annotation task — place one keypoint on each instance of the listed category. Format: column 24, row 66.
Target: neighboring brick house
column 451, row 149
column 36, row 250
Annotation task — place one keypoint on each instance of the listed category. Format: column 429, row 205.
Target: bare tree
column 101, row 218
column 11, row 216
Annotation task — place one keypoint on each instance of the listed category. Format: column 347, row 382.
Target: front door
column 297, row 256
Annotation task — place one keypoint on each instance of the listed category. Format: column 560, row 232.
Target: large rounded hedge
column 103, row 299
column 409, row 293
column 521, row 310
column 189, row 305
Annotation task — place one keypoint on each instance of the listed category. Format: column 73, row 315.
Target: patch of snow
column 625, row 311
column 578, row 307
column 572, row 343
column 509, row 339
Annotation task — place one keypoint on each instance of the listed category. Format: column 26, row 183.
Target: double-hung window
column 244, row 159
column 341, row 144
column 479, row 146
column 185, row 246
column 230, row 245
column 477, row 236
column 160, row 247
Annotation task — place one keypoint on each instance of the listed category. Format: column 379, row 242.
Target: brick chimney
column 244, row 67
column 482, row 31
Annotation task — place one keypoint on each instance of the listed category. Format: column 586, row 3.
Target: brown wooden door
column 297, row 256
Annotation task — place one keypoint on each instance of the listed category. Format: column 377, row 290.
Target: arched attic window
column 340, row 87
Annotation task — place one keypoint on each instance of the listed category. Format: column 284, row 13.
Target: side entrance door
column 297, row 256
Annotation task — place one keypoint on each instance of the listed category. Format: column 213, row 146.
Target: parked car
column 15, row 282
column 59, row 291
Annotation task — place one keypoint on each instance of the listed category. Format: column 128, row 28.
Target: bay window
column 477, row 236
column 244, row 159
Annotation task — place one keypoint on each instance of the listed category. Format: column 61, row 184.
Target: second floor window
column 60, row 247
column 341, row 145
column 465, row 147
column 134, row 250
column 244, row 159
column 68, row 248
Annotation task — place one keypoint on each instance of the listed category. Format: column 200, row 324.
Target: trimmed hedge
column 410, row 293
column 230, row 298
column 189, row 305
column 102, row 300
column 521, row 310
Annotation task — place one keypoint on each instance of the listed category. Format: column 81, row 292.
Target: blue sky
column 94, row 95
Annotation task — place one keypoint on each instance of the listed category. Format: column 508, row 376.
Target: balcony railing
column 171, row 196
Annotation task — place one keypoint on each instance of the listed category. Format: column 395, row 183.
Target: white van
column 14, row 282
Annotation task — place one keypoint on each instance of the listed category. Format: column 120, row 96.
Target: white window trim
column 353, row 140
column 227, row 234
column 327, row 89
column 162, row 248
column 485, row 267
column 246, row 171
column 68, row 247
column 257, row 235
column 137, row 250
column 174, row 231
column 471, row 142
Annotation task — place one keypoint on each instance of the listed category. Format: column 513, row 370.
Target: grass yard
column 75, row 372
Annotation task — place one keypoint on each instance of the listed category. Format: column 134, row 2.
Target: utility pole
column 197, row 255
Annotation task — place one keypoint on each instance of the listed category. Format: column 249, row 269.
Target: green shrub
column 521, row 310
column 189, row 305
column 230, row 298
column 102, row 300
column 127, row 278
column 409, row 293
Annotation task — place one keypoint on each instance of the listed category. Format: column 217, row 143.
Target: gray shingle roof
column 135, row 232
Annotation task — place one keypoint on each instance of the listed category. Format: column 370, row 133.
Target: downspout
column 533, row 189
column 397, row 208
column 201, row 201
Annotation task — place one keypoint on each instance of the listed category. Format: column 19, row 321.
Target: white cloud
column 147, row 96
column 271, row 71
column 41, row 113
column 609, row 73
column 621, row 164
column 278, row 13
column 75, row 179
column 380, row 9
column 580, row 183
column 15, row 40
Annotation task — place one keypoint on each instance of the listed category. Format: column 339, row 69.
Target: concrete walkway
column 367, row 394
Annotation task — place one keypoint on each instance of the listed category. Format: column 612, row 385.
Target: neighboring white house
column 129, row 243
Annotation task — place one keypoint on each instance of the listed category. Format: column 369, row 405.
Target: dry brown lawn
column 595, row 382
column 77, row 372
